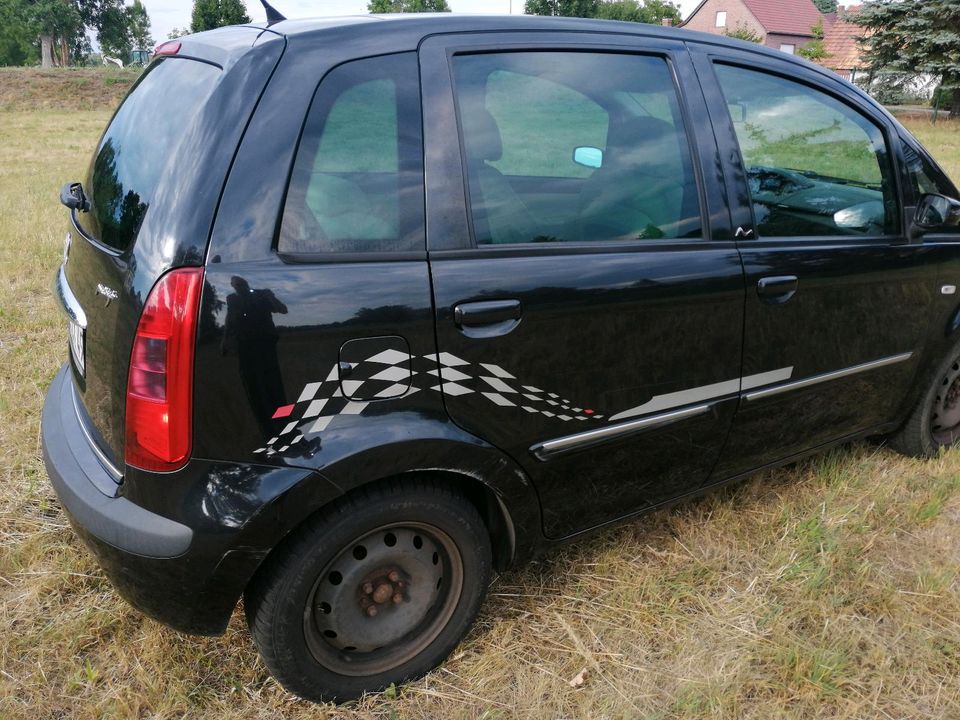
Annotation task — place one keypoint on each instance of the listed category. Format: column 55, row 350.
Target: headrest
column 482, row 135
column 643, row 140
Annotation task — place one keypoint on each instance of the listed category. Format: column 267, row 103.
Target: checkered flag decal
column 392, row 374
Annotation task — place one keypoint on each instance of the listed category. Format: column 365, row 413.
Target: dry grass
column 93, row 88
column 827, row 589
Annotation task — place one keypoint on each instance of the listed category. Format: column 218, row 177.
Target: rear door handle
column 487, row 318
column 777, row 289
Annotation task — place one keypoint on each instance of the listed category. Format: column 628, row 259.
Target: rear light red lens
column 170, row 47
column 159, row 416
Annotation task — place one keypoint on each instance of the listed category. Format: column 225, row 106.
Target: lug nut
column 397, row 598
column 368, row 588
column 371, row 611
column 394, row 576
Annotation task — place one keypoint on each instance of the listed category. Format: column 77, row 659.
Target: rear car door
column 588, row 294
column 837, row 294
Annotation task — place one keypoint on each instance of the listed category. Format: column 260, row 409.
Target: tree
column 407, row 6
column 914, row 36
column 816, row 49
column 139, row 22
column 744, row 32
column 17, row 38
column 177, row 33
column 643, row 11
column 566, row 8
column 826, row 6
column 56, row 23
column 114, row 33
column 210, row 14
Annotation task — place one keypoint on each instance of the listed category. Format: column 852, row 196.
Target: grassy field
column 828, row 589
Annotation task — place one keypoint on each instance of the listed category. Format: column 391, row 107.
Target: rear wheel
column 935, row 421
column 377, row 590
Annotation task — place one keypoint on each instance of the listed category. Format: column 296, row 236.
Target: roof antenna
column 273, row 16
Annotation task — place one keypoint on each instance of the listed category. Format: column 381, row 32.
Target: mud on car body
column 363, row 310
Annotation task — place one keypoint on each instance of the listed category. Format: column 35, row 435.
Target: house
column 783, row 24
column 840, row 41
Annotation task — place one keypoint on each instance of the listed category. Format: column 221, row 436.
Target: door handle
column 778, row 289
column 487, row 318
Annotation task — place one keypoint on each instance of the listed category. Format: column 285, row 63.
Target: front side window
column 575, row 147
column 357, row 181
column 816, row 167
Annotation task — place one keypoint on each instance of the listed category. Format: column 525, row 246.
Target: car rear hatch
column 147, row 205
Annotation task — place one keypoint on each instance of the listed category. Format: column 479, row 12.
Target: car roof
column 435, row 23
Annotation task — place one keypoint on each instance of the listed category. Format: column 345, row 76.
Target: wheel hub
column 386, row 588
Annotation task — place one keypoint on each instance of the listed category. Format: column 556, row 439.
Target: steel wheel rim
column 945, row 417
column 411, row 573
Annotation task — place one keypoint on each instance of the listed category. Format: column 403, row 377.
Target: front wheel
column 935, row 421
column 376, row 590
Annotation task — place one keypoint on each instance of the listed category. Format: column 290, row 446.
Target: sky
column 168, row 14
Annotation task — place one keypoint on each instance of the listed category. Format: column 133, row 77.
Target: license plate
column 77, row 347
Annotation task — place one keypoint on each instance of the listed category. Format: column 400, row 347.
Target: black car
column 361, row 310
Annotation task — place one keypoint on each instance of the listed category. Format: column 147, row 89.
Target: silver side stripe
column 827, row 377
column 705, row 392
column 668, row 403
column 547, row 449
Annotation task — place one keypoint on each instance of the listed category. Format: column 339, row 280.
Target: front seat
column 499, row 215
column 638, row 192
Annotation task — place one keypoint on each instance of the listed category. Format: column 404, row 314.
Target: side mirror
column 590, row 157
column 937, row 211
column 73, row 197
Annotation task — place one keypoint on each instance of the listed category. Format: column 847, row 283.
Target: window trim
column 758, row 62
column 663, row 54
column 336, row 256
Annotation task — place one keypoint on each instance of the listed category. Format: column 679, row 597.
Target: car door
column 588, row 294
column 837, row 294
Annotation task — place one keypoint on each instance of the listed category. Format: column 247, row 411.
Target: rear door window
column 575, row 147
column 134, row 151
column 357, row 182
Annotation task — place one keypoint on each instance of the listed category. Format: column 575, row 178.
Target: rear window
column 142, row 137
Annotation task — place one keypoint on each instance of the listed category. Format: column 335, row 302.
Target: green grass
column 828, row 589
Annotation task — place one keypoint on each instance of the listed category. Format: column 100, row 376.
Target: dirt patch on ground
column 96, row 88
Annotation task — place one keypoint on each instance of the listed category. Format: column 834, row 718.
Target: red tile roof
column 790, row 17
column 840, row 42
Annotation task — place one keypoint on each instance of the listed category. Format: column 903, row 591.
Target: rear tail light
column 160, row 382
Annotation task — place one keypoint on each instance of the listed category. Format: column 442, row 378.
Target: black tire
column 935, row 420
column 317, row 582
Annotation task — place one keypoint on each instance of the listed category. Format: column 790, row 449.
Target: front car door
column 837, row 295
column 588, row 294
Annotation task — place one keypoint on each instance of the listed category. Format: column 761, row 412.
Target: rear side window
column 134, row 151
column 574, row 147
column 357, row 181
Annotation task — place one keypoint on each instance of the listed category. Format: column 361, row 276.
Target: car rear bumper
column 187, row 572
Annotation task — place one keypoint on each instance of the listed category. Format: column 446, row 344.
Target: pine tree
column 915, row 37
column 826, row 6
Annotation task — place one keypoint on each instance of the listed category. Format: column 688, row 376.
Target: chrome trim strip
column 827, row 377
column 548, row 448
column 104, row 460
column 68, row 301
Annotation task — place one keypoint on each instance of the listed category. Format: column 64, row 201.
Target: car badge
column 109, row 293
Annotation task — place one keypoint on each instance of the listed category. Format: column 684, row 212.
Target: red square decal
column 283, row 412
